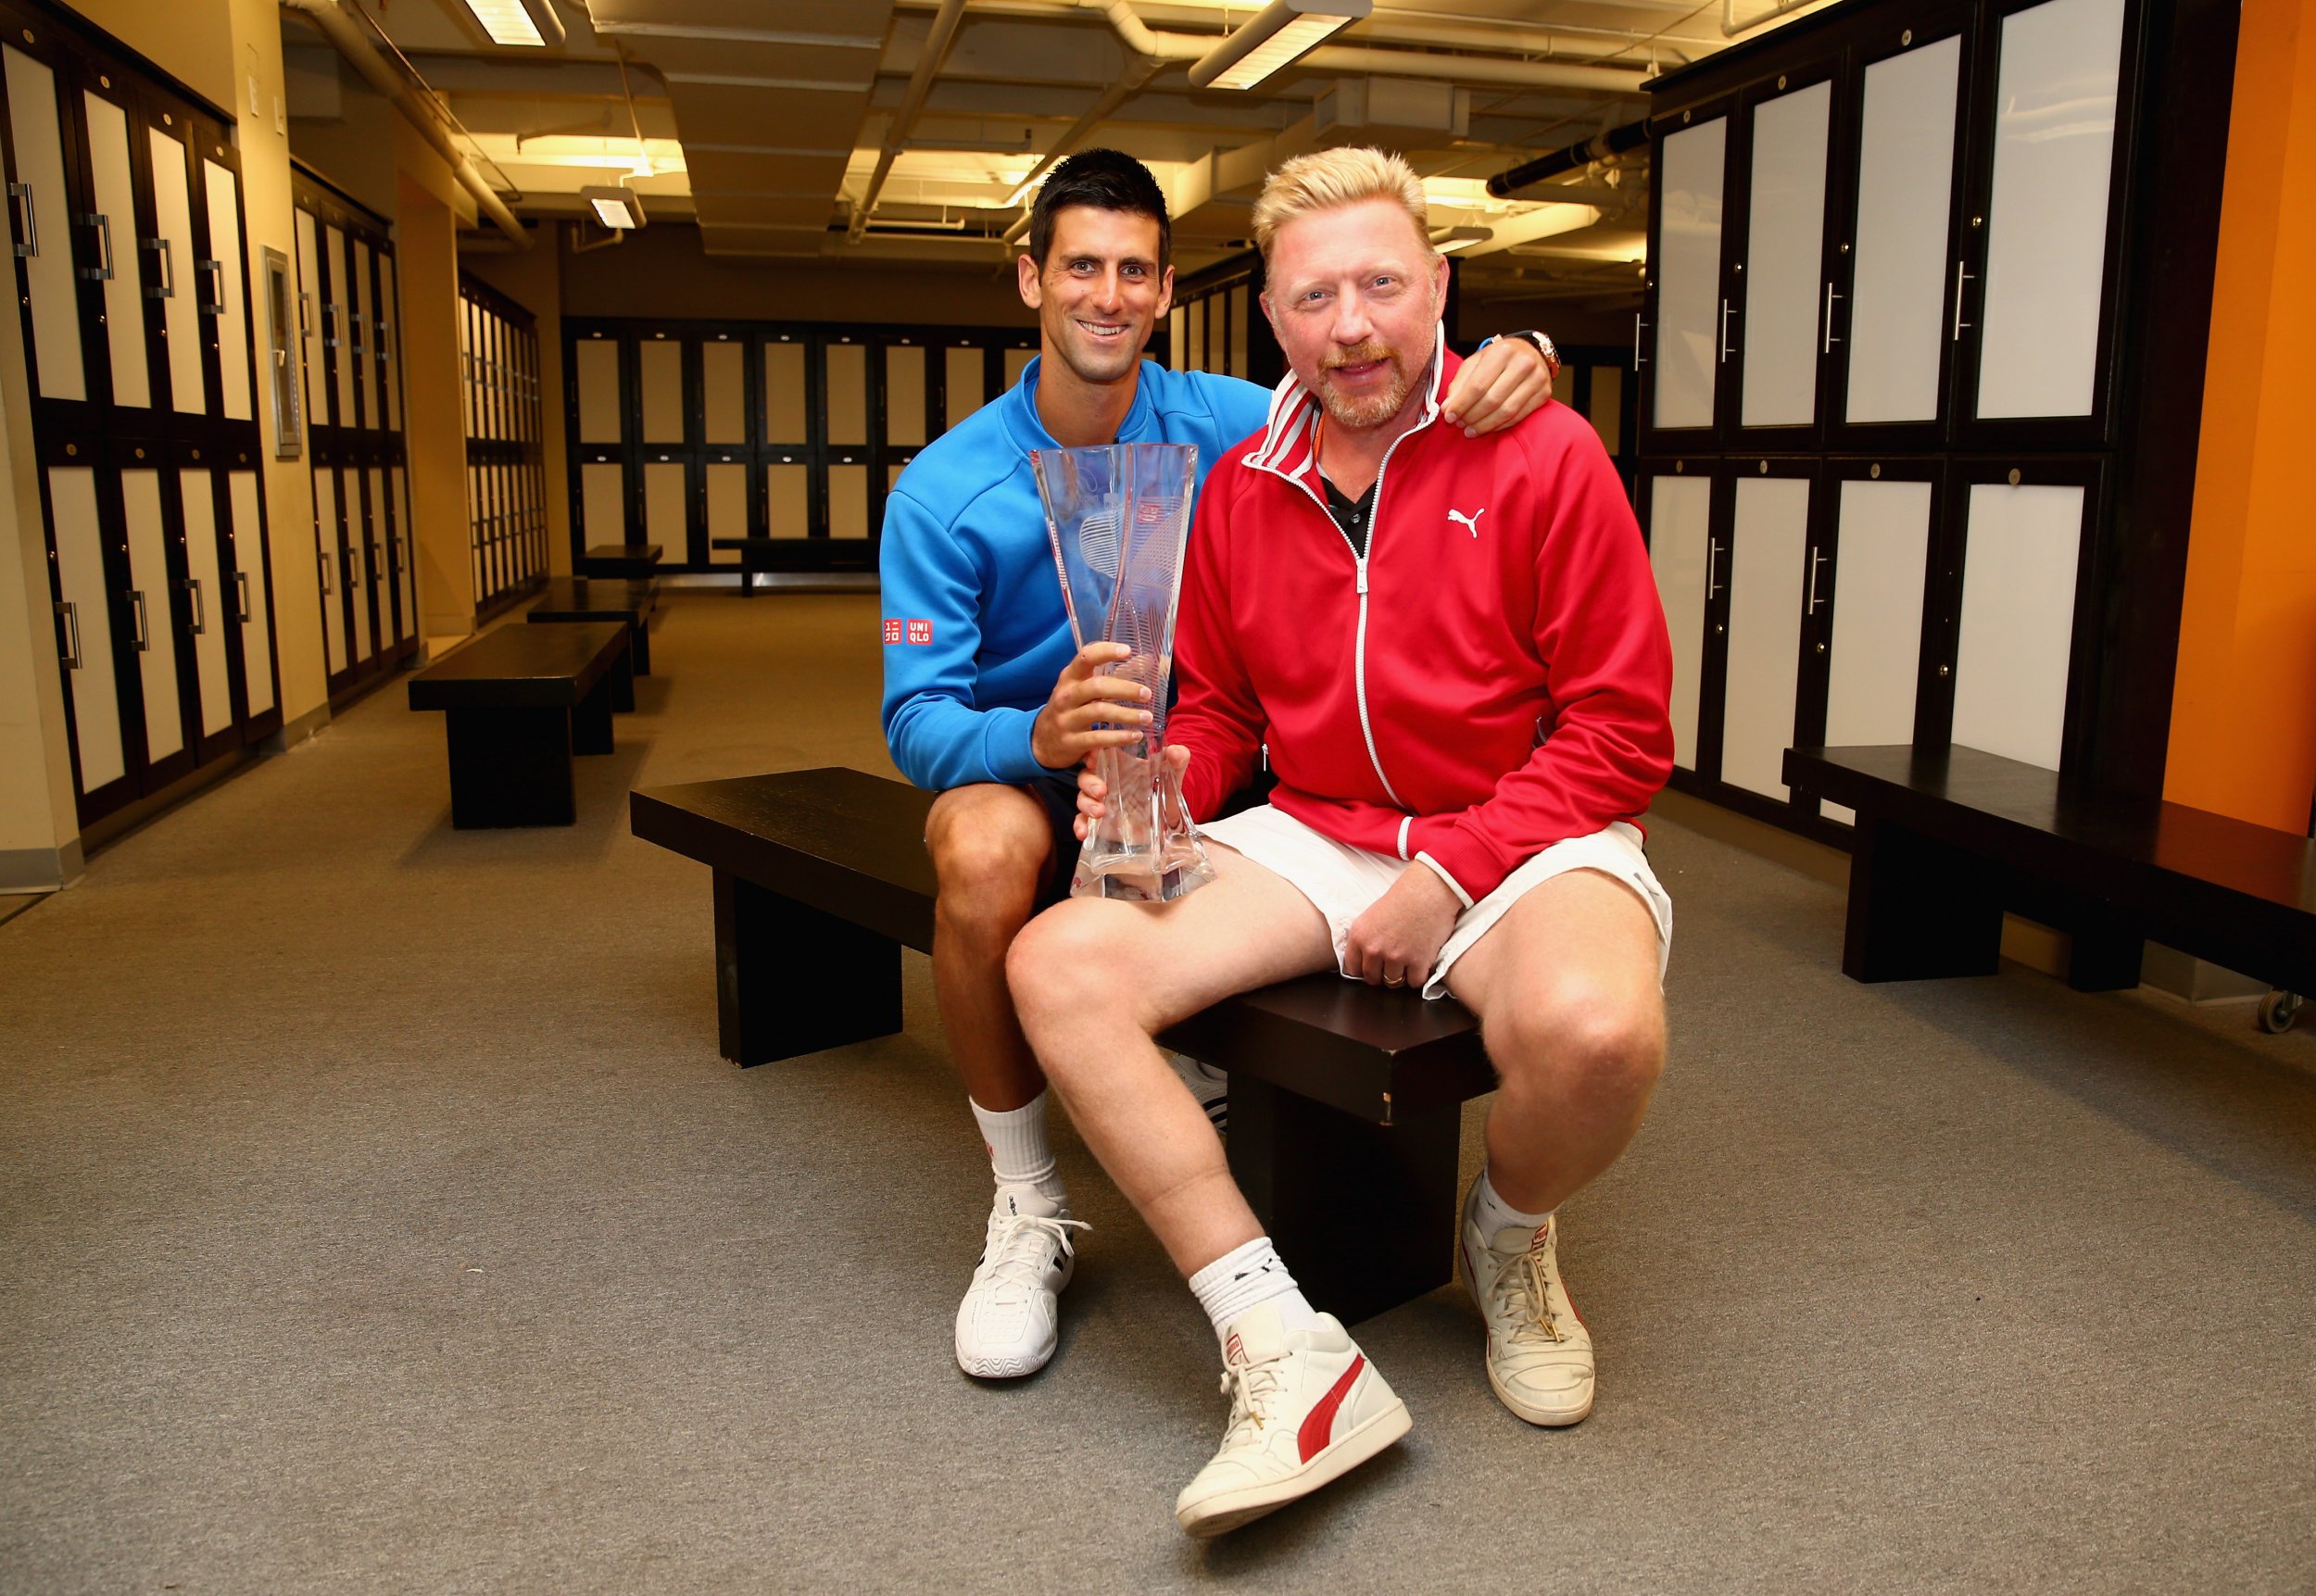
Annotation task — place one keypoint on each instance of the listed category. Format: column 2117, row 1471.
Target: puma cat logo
column 1471, row 522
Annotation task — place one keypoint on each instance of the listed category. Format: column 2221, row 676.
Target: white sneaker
column 1540, row 1355
column 1006, row 1325
column 1210, row 1085
column 1306, row 1407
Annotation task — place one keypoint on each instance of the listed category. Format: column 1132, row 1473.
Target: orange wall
column 2244, row 708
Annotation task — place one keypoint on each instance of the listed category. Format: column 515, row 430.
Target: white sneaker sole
column 1009, row 1368
column 1225, row 1511
column 1548, row 1418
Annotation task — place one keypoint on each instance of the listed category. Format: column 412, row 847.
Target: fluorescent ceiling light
column 1282, row 32
column 614, row 207
column 532, row 22
column 1457, row 238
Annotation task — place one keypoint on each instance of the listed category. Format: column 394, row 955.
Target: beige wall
column 433, row 416
column 193, row 41
column 533, row 279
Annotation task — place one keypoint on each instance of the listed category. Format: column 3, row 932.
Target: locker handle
column 217, row 272
column 329, row 339
column 168, row 286
column 200, row 607
column 103, row 225
column 241, row 587
column 1817, row 557
column 329, row 560
column 1961, row 277
column 1639, row 360
column 305, row 322
column 1830, row 339
column 145, row 634
column 1711, row 564
column 1724, row 332
column 31, row 230
column 71, row 613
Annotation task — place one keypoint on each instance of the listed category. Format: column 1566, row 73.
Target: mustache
column 1358, row 354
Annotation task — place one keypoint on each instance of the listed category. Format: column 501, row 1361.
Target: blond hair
column 1331, row 178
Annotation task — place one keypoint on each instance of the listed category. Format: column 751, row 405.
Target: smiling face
column 1099, row 292
column 1354, row 297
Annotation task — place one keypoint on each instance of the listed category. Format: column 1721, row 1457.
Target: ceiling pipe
column 1614, row 141
column 341, row 30
column 937, row 44
column 1139, row 72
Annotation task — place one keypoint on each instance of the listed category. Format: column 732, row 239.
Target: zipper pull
column 1363, row 577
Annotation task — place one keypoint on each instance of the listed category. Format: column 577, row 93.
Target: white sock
column 1245, row 1277
column 1492, row 1213
column 1018, row 1152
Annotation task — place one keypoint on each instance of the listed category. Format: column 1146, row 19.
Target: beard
column 1372, row 409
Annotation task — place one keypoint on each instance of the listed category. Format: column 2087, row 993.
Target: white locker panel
column 177, row 274
column 341, row 329
column 727, row 509
column 110, row 246
column 390, row 342
column 364, row 336
column 787, row 490
column 42, row 223
column 2018, row 620
column 408, row 538
column 310, row 320
column 661, row 372
column 1681, row 512
column 599, row 391
column 333, row 578
column 211, row 599
column 905, row 395
column 1904, row 201
column 358, row 578
column 1876, row 659
column 1785, row 229
column 847, row 501
column 847, row 393
column 149, row 607
column 256, row 621
column 962, row 371
column 785, row 419
column 2046, row 227
column 382, row 573
column 1689, row 278
column 224, row 288
column 603, row 500
column 88, row 628
column 1768, row 556
column 664, row 522
column 724, row 392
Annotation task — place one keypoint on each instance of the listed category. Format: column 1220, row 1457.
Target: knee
column 987, row 878
column 1065, row 963
column 1580, row 1044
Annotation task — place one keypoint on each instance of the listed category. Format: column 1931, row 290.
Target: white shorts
column 1342, row 881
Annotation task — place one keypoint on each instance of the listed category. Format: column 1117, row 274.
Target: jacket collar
column 1290, row 434
column 1028, row 427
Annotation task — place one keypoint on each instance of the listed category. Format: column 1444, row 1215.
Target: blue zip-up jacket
column 975, row 631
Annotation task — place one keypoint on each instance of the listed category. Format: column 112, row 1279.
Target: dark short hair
column 1107, row 180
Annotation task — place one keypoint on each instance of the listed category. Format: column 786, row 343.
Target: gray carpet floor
column 375, row 1214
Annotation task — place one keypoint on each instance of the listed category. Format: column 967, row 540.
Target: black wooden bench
column 1345, row 1100
column 754, row 557
column 604, row 599
column 1949, row 840
column 615, row 559
column 518, row 703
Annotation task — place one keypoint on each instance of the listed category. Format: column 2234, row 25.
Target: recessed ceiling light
column 531, row 22
column 1277, row 35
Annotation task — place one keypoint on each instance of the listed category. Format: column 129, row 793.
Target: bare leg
column 1565, row 988
column 990, row 845
column 1094, row 980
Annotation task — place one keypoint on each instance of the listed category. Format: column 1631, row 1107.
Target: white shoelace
column 1009, row 1252
column 1524, row 1286
column 1251, row 1388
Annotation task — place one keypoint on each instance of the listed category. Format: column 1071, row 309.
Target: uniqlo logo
column 920, row 631
column 892, row 630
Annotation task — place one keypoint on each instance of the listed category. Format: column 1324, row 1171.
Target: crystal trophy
column 1119, row 516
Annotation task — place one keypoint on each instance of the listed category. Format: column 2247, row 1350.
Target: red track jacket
column 1490, row 680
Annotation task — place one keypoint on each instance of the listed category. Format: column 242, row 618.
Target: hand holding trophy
column 1119, row 516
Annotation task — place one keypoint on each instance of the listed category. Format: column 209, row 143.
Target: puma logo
column 1471, row 522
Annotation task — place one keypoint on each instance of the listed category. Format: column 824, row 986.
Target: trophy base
column 1134, row 880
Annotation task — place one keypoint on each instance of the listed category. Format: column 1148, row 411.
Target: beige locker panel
column 1681, row 554
column 470, row 370
column 112, row 241
column 380, row 571
column 361, row 334
column 151, row 612
column 177, row 273
column 408, row 535
column 789, row 495
column 88, row 628
column 905, row 395
column 390, row 342
column 309, row 319
column 727, row 507
column 597, row 361
column 209, row 600
column 661, row 367
column 664, row 522
column 1239, row 310
column 847, row 393
column 340, row 331
column 1768, row 571
column 481, row 533
column 1197, row 362
column 1179, row 338
column 847, row 501
column 333, row 579
column 786, row 419
column 42, row 223
column 724, row 392
column 250, row 601
column 1017, row 361
column 2018, row 620
column 358, row 577
column 962, row 375
column 224, row 290
column 603, row 501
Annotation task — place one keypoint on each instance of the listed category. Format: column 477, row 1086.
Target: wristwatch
column 1543, row 347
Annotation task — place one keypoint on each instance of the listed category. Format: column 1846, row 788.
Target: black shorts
column 1058, row 797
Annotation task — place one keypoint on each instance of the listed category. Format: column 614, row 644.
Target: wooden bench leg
column 591, row 716
column 639, row 647
column 510, row 767
column 1365, row 1214
column 1917, row 910
column 792, row 979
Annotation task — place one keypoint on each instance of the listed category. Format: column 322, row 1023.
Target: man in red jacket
column 1456, row 655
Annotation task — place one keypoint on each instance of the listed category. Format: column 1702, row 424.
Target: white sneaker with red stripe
column 1540, row 1355
column 1306, row 1407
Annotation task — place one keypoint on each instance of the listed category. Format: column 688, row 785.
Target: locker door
column 325, row 480
column 2022, row 531
column 358, row 573
column 789, row 511
column 1783, row 294
column 389, row 341
column 846, row 392
column 338, row 330
column 39, row 219
column 379, row 536
column 404, row 531
column 964, row 380
column 107, row 250
column 723, row 419
column 85, row 602
column 152, row 633
column 1881, row 544
column 1683, row 351
column 364, row 318
column 1769, row 560
column 1686, row 559
column 311, row 317
column 252, row 600
column 208, row 604
column 173, row 279
column 225, row 307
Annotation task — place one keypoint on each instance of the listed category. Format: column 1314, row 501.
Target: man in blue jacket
column 986, row 703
